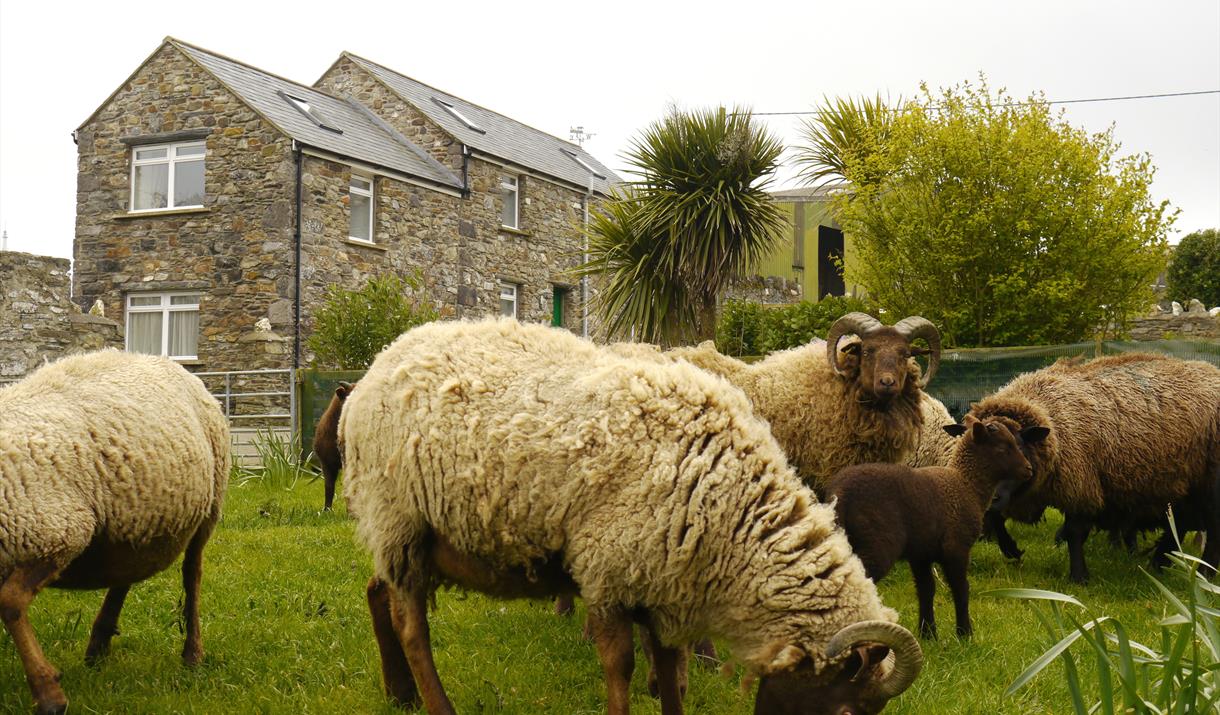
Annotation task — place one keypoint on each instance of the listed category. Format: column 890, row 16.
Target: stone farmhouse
column 212, row 195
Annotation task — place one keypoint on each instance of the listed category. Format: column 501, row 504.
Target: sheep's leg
column 654, row 681
column 16, row 593
column 106, row 625
column 706, row 652
column 409, row 608
column 396, row 676
column 612, row 635
column 994, row 522
column 1075, row 531
column 1211, row 523
column 565, row 605
column 925, row 589
column 959, row 586
column 666, row 661
column 192, row 576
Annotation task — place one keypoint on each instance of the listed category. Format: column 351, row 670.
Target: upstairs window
column 508, row 299
column 361, row 195
column 163, row 324
column 167, row 176
column 510, row 214
column 311, row 112
column 458, row 115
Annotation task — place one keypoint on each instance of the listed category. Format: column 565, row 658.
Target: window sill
column 364, row 244
column 514, row 231
column 163, row 212
column 188, row 362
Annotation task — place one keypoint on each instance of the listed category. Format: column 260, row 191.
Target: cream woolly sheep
column 830, row 408
column 110, row 465
column 1130, row 435
column 935, row 446
column 523, row 461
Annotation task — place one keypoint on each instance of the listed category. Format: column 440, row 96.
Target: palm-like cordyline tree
column 841, row 138
column 697, row 216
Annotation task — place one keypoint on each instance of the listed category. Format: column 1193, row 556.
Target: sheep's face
column 883, row 358
column 846, row 689
column 1001, row 446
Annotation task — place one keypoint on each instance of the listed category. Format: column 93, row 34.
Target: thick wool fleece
column 1129, row 433
column 935, row 447
column 824, row 421
column 653, row 480
column 108, row 445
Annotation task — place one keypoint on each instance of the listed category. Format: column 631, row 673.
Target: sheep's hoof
column 965, row 633
column 565, row 606
column 192, row 657
column 927, row 631
column 53, row 708
column 705, row 654
column 48, row 698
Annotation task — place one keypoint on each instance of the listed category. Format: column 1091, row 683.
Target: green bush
column 1194, row 269
column 747, row 328
column 354, row 325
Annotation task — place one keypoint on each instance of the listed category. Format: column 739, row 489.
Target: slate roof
column 501, row 137
column 363, row 137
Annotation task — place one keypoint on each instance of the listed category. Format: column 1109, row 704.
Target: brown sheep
column 932, row 515
column 326, row 442
column 830, row 408
column 1131, row 435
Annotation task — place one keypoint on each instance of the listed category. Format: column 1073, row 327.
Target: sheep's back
column 1130, row 432
column 132, row 445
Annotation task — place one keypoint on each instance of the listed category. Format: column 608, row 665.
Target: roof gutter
column 465, row 171
column 296, row 241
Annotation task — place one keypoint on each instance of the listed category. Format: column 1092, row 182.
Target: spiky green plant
column 1182, row 676
column 841, row 137
column 697, row 216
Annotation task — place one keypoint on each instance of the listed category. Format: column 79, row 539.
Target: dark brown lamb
column 932, row 515
column 326, row 441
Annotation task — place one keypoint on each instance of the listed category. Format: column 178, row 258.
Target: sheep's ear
column 343, row 389
column 954, row 430
column 979, row 430
column 1035, row 434
column 851, row 348
column 917, row 351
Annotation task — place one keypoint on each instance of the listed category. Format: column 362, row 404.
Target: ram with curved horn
column 649, row 487
column 845, row 401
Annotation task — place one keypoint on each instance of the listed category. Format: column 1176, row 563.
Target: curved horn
column 916, row 327
column 904, row 649
column 853, row 323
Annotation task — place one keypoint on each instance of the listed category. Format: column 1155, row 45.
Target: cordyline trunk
column 705, row 327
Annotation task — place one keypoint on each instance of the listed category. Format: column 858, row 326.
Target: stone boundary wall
column 38, row 321
column 1187, row 326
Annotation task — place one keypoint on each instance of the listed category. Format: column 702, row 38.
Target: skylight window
column 304, row 107
column 459, row 116
column 576, row 158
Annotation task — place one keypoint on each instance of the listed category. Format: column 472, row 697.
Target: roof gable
column 493, row 133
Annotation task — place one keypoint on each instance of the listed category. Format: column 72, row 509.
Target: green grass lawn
column 285, row 630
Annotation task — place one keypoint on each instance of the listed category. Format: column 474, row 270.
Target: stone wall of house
column 466, row 273
column 236, row 250
column 38, row 320
column 769, row 290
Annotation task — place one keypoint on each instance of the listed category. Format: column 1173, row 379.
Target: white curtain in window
column 144, row 333
column 183, row 333
column 152, row 186
column 361, row 208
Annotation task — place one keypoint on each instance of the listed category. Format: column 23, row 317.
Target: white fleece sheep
column 935, row 446
column 513, row 445
column 110, row 465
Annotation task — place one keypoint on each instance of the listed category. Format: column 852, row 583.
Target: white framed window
column 167, row 176
column 510, row 215
column 508, row 299
column 361, row 195
column 163, row 324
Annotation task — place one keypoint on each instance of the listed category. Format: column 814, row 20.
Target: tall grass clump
column 1180, row 674
column 278, row 460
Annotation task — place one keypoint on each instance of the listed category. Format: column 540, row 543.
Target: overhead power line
column 1024, row 104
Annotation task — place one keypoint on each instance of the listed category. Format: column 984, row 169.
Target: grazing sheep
column 1131, row 435
column 326, row 442
column 522, row 461
column 110, row 465
column 932, row 515
column 830, row 408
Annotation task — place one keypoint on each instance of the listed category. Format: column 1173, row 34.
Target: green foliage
column 1180, row 674
column 997, row 220
column 845, row 133
column 279, row 466
column 747, row 328
column 354, row 325
column 1194, row 268
column 697, row 215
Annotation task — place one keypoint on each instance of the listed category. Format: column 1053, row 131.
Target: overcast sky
column 614, row 67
